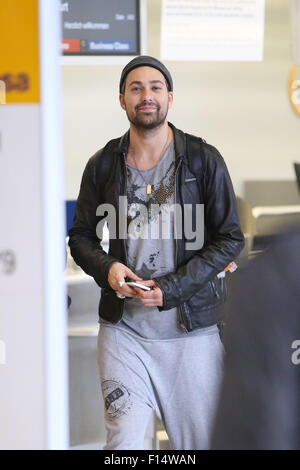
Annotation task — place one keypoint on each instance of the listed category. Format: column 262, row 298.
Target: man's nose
column 147, row 94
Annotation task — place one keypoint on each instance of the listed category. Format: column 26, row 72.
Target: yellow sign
column 19, row 51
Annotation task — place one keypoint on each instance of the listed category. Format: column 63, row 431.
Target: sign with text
column 212, row 30
column 19, row 51
column 99, row 27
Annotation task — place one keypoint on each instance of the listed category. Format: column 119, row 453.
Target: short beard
column 154, row 123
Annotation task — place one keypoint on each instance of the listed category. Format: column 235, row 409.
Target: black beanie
column 146, row 61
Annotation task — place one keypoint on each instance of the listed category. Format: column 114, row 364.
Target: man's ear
column 122, row 101
column 171, row 97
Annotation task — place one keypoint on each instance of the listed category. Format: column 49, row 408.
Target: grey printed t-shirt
column 151, row 246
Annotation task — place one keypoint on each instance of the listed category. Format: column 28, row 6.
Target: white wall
column 241, row 108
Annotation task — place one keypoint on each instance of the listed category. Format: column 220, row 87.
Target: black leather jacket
column 194, row 286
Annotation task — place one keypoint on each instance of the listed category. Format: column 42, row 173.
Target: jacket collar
column 179, row 140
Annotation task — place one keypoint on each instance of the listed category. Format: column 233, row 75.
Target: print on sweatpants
column 116, row 398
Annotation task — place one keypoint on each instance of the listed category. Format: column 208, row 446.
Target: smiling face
column 146, row 98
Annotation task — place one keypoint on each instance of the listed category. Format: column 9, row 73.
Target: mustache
column 147, row 103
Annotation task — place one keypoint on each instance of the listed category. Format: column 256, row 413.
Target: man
column 158, row 349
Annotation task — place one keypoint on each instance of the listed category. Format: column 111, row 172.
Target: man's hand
column 116, row 274
column 150, row 298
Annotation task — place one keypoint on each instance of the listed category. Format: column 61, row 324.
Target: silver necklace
column 148, row 185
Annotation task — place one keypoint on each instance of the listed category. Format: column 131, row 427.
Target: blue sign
column 110, row 46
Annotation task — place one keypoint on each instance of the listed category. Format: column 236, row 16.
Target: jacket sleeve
column 83, row 241
column 225, row 242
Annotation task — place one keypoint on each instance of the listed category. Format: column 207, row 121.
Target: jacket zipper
column 215, row 289
column 181, row 322
column 124, row 240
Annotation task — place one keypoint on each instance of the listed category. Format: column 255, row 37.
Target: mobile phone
column 137, row 284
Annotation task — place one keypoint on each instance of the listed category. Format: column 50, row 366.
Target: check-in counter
column 270, row 220
column 269, row 207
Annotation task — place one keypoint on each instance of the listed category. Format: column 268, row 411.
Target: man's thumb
column 149, row 283
column 133, row 276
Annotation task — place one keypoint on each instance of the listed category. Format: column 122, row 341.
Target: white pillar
column 33, row 320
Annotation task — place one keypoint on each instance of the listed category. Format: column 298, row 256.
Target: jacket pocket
column 219, row 288
column 210, row 295
column 203, row 298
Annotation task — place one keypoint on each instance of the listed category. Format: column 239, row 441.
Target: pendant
column 148, row 188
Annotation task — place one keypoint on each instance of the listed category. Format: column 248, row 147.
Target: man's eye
column 156, row 88
column 135, row 88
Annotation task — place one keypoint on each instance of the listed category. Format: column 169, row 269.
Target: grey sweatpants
column 178, row 378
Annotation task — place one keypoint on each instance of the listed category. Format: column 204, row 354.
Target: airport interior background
column 244, row 109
